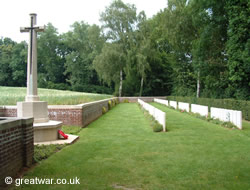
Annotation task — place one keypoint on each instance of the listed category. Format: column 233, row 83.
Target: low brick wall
column 16, row 146
column 93, row 110
column 69, row 115
column 135, row 99
column 9, row 111
column 1, row 111
column 77, row 115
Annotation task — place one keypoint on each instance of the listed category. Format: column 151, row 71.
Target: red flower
column 63, row 134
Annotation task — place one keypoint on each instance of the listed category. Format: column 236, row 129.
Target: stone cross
column 32, row 59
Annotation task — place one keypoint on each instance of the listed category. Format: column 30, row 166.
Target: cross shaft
column 32, row 58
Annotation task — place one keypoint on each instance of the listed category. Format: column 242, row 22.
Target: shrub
column 42, row 152
column 216, row 121
column 109, row 105
column 116, row 101
column 229, row 125
column 125, row 101
column 104, row 110
column 113, row 103
column 157, row 127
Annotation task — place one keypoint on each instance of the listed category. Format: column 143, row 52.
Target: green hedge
column 241, row 105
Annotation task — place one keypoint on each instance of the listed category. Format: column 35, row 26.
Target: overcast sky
column 61, row 13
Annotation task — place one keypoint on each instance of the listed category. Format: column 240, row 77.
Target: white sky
column 61, row 13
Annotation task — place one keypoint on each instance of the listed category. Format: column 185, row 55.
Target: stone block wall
column 16, row 146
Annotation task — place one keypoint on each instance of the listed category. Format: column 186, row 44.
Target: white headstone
column 159, row 115
column 183, row 106
column 202, row 110
column 173, row 104
column 164, row 102
column 232, row 116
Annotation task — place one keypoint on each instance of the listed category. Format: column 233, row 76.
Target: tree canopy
column 190, row 48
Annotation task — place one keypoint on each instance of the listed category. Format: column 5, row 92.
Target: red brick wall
column 9, row 111
column 93, row 110
column 69, row 116
column 78, row 115
column 16, row 146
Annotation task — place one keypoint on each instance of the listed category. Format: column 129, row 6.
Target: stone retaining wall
column 16, row 146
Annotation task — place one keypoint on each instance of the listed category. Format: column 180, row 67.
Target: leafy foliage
column 238, row 47
column 190, row 48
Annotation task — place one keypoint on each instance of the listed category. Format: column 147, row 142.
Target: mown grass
column 120, row 151
column 11, row 95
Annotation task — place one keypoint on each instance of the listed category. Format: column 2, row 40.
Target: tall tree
column 51, row 59
column 18, row 64
column 177, row 36
column 110, row 63
column 119, row 23
column 6, row 51
column 143, row 48
column 238, row 47
column 84, row 43
column 208, row 48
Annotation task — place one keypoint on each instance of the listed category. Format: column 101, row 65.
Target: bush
column 104, row 110
column 125, row 101
column 229, row 125
column 241, row 105
column 58, row 86
column 109, row 104
column 157, row 127
column 42, row 152
column 116, row 101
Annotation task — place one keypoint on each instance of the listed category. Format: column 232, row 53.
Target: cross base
column 32, row 98
column 38, row 110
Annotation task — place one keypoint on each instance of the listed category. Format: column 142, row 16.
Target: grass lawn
column 11, row 95
column 120, row 151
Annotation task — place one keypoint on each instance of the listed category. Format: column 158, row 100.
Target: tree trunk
column 120, row 88
column 141, row 86
column 198, row 85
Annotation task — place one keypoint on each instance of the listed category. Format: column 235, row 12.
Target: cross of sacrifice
column 32, row 58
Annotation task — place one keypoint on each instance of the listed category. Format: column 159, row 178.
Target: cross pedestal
column 32, row 107
column 44, row 129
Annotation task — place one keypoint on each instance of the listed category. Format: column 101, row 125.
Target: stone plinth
column 47, row 131
column 38, row 110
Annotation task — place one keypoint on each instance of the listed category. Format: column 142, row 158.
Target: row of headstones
column 226, row 115
column 158, row 115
